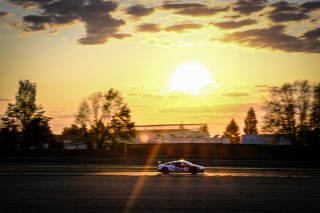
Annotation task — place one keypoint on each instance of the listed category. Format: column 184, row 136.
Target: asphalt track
column 151, row 170
column 136, row 188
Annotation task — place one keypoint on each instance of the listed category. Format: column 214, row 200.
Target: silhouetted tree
column 26, row 120
column 204, row 128
column 37, row 133
column 9, row 139
column 315, row 114
column 250, row 123
column 73, row 133
column 314, row 134
column 288, row 111
column 76, row 135
column 104, row 119
column 232, row 132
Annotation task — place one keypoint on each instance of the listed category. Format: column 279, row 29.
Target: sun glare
column 190, row 77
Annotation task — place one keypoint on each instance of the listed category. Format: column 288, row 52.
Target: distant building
column 265, row 139
column 221, row 140
column 69, row 144
column 171, row 133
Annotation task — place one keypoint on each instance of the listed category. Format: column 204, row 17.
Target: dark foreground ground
column 42, row 188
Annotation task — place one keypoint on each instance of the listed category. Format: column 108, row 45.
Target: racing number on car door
column 184, row 166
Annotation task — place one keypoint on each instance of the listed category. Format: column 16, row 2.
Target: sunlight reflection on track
column 140, row 182
column 207, row 174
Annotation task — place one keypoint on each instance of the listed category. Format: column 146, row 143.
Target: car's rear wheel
column 165, row 170
column 193, row 170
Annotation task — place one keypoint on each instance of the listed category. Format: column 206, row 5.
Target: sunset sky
column 175, row 61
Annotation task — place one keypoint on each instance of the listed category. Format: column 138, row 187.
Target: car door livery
column 181, row 166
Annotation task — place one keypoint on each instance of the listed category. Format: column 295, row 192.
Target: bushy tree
column 291, row 112
column 232, row 132
column 76, row 135
column 73, row 133
column 104, row 119
column 9, row 138
column 250, row 122
column 25, row 120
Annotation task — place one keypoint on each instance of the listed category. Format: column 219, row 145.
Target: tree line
column 291, row 110
column 104, row 119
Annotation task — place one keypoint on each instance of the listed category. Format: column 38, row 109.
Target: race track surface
column 98, row 188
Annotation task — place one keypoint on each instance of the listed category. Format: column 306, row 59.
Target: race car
column 182, row 166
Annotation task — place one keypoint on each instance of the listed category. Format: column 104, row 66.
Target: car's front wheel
column 165, row 170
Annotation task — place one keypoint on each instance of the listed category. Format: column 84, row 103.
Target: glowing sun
column 190, row 77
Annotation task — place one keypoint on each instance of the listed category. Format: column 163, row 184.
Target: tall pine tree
column 232, row 132
column 250, row 123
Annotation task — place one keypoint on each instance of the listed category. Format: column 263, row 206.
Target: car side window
column 176, row 164
column 187, row 164
column 180, row 164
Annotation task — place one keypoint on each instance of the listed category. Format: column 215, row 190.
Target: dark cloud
column 288, row 16
column 232, row 16
column 37, row 22
column 95, row 14
column 276, row 38
column 313, row 40
column 100, row 25
column 234, row 24
column 194, row 9
column 312, row 34
column 100, row 28
column 139, row 10
column 284, row 12
column 284, row 6
column 121, row 35
column 174, row 6
column 249, row 6
column 148, row 28
column 203, row 11
column 183, row 27
column 311, row 5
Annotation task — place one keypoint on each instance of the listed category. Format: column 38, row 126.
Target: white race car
column 180, row 166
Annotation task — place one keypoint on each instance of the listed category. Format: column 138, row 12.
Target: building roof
column 168, row 127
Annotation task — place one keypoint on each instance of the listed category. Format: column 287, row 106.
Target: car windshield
column 187, row 163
